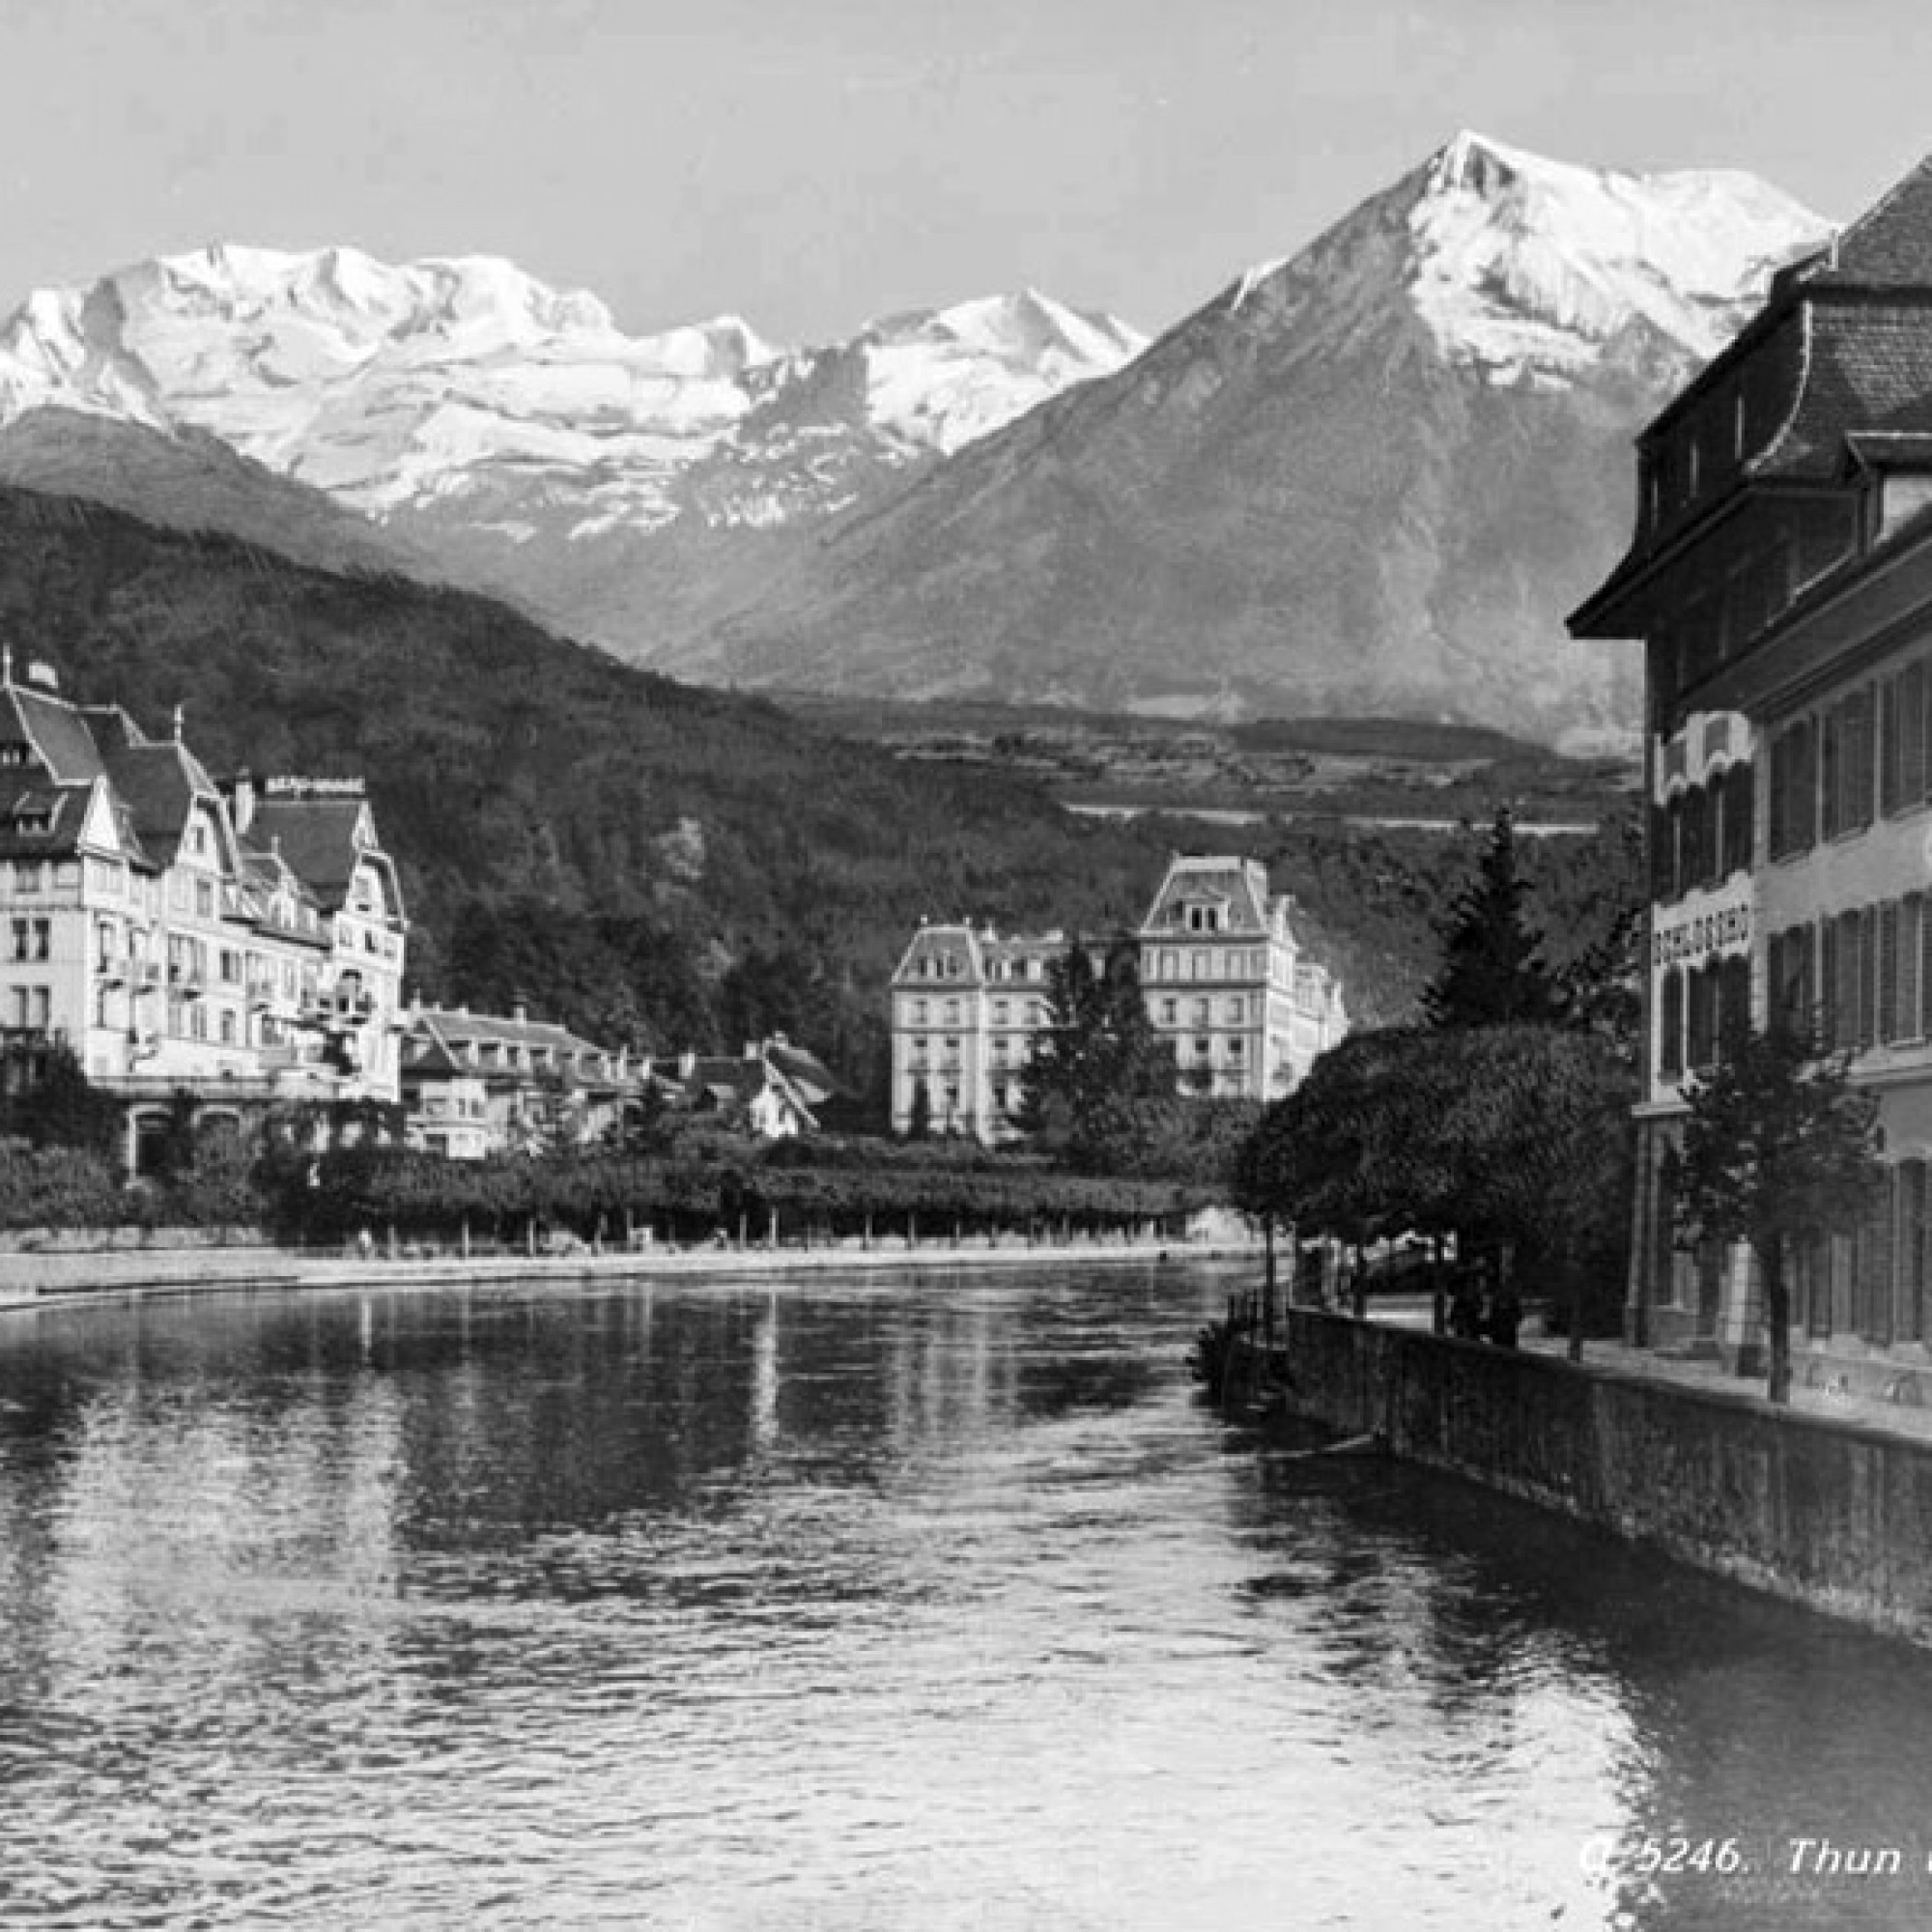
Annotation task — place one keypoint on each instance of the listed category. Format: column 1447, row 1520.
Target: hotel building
column 1780, row 579
column 240, row 944
column 1224, row 979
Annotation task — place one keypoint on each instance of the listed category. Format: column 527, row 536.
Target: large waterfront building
column 1226, row 980
column 1228, row 983
column 1780, row 579
column 240, row 944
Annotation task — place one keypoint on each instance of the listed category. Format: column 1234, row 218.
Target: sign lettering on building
column 1725, row 928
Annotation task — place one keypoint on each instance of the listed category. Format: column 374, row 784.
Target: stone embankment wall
column 1827, row 1513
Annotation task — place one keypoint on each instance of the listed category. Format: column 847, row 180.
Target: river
column 927, row 1602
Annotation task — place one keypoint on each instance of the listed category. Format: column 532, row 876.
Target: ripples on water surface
column 930, row 1603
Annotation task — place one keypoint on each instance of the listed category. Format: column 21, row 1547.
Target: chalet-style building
column 773, row 1090
column 1780, row 579
column 478, row 1084
column 1223, row 974
column 240, row 944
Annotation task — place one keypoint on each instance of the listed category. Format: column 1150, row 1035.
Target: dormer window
column 1203, row 918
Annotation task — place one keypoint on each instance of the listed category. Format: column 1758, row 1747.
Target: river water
column 926, row 1601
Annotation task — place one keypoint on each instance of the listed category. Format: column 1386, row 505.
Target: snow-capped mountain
column 465, row 385
column 1370, row 477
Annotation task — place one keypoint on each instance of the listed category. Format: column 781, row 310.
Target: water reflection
column 933, row 1602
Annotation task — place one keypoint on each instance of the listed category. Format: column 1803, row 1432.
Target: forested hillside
column 650, row 861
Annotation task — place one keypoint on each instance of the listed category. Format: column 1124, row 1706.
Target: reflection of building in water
column 1780, row 578
column 1225, row 978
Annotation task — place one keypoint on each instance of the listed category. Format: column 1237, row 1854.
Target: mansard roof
column 946, row 952
column 1240, row 884
column 1842, row 345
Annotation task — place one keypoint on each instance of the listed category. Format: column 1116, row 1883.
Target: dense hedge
column 695, row 1195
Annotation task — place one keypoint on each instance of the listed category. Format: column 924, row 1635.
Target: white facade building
column 1223, row 973
column 241, row 946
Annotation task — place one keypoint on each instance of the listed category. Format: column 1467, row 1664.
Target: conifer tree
column 1099, row 1084
column 1492, row 970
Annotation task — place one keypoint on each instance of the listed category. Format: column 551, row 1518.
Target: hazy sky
column 809, row 163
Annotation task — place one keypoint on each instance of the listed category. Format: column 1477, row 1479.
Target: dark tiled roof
column 58, row 733
column 1193, row 879
column 1870, row 368
column 806, row 1071
column 501, row 1029
column 1889, row 245
column 160, row 782
column 317, row 837
column 64, row 809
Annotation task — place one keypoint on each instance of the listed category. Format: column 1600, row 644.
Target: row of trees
column 1502, row 1121
column 1499, row 1123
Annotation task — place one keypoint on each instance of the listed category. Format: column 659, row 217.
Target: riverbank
column 41, row 1281
column 1832, row 1511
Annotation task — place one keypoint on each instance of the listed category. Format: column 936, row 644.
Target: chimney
column 43, row 674
column 687, row 1064
column 242, row 801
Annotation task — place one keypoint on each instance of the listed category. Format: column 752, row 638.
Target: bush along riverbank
column 705, row 1191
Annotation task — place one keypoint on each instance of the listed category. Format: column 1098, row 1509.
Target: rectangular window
column 1830, row 932
column 1890, row 1023
column 1890, row 747
column 1670, row 1026
column 1865, row 946
column 1911, row 953
column 1910, row 705
column 1912, row 1251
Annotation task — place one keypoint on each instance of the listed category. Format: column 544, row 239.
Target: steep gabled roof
column 58, row 734
column 1889, row 245
column 318, row 838
column 161, row 782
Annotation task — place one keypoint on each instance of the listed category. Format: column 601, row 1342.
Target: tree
column 1100, row 1083
column 46, row 1099
column 1778, row 1146
column 1492, row 972
column 1516, row 1136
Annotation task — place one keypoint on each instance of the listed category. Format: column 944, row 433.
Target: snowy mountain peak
column 1530, row 268
column 460, row 385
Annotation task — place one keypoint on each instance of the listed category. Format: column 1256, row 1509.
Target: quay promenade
column 52, row 1279
column 1825, row 1502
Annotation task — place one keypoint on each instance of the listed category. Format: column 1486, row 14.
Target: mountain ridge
column 1265, row 509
